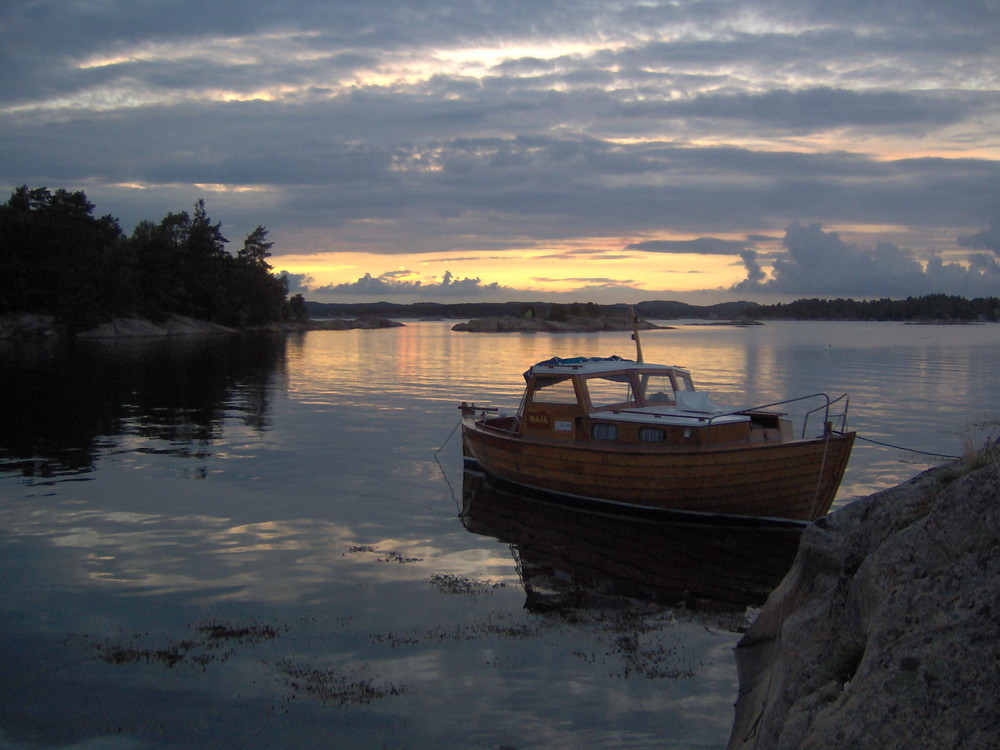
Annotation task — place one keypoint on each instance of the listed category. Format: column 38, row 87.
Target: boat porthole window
column 651, row 435
column 602, row 431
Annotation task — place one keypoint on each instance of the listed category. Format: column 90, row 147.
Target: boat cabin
column 616, row 401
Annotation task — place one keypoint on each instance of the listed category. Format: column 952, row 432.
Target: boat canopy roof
column 587, row 365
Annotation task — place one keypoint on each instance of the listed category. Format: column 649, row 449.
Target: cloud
column 755, row 274
column 603, row 290
column 700, row 246
column 594, row 280
column 387, row 284
column 297, row 282
column 820, row 109
column 474, row 193
column 820, row 263
column 988, row 239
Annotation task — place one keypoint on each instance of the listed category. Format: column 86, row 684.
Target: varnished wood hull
column 792, row 480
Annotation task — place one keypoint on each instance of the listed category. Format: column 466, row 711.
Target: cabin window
column 554, row 390
column 607, row 391
column 604, row 431
column 651, row 435
column 658, row 389
column 684, row 382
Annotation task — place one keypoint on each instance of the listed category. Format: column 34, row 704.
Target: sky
column 564, row 150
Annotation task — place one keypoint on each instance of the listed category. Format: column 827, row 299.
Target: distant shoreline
column 933, row 309
column 534, row 317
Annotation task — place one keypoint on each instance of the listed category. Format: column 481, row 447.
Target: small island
column 570, row 324
column 339, row 324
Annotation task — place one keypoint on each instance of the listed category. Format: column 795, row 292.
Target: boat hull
column 794, row 480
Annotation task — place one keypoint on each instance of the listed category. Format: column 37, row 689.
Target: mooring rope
column 904, row 448
column 819, row 479
column 444, row 474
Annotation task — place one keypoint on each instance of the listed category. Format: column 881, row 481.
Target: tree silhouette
column 57, row 258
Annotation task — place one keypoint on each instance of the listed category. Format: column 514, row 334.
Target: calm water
column 263, row 542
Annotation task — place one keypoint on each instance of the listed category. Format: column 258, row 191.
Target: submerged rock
column 886, row 631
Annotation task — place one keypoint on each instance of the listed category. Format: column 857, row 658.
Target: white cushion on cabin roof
column 664, row 415
column 598, row 366
column 695, row 401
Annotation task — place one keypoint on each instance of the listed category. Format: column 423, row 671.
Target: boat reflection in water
column 585, row 557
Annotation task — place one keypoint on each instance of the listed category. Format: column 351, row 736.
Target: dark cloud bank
column 696, row 119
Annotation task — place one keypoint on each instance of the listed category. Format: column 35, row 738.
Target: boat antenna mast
column 635, row 336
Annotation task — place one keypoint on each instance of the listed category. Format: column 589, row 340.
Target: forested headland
column 57, row 258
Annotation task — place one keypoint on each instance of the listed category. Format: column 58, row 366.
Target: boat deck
column 667, row 415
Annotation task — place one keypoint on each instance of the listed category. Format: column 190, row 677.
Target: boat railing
column 824, row 408
column 828, row 421
column 488, row 418
column 470, row 409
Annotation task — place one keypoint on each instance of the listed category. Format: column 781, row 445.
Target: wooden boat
column 634, row 434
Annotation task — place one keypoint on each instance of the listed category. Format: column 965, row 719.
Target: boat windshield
column 608, row 390
column 657, row 388
column 661, row 388
column 553, row 390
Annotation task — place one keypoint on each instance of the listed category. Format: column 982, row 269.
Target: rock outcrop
column 28, row 326
column 886, row 631
column 350, row 325
column 175, row 325
column 537, row 325
column 31, row 326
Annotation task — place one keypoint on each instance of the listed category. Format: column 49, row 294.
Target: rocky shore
column 886, row 631
column 538, row 325
column 175, row 325
column 32, row 326
column 27, row 325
